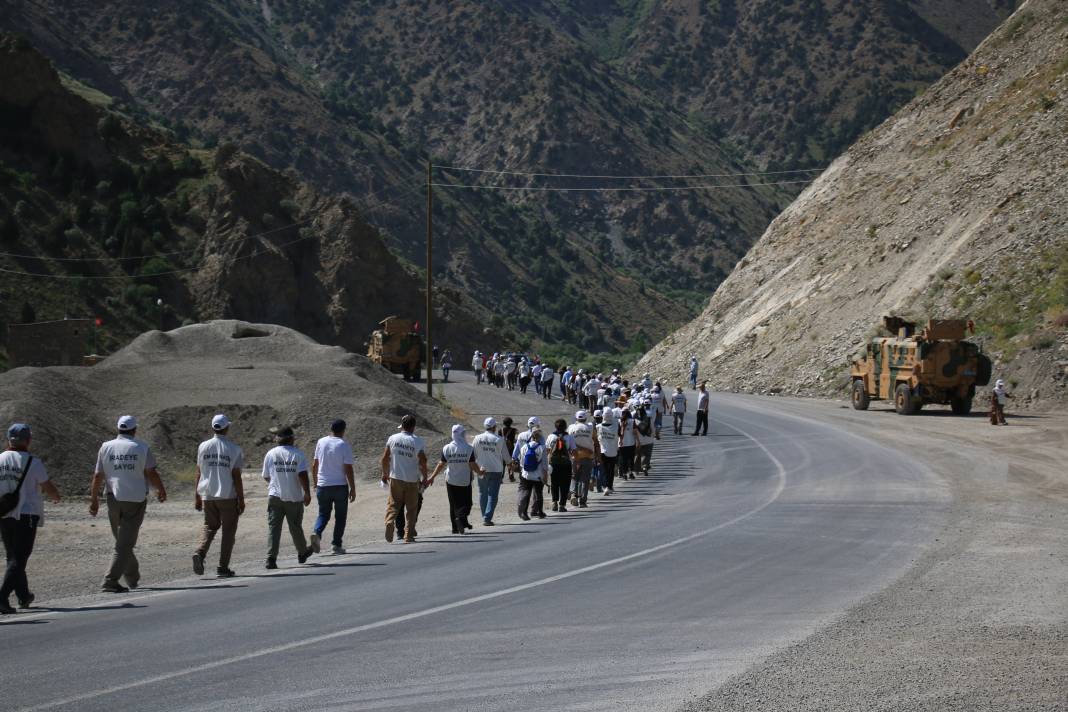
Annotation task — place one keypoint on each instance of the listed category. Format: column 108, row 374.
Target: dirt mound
column 258, row 374
column 952, row 208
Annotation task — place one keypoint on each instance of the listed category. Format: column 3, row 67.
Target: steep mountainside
column 954, row 207
column 353, row 94
column 112, row 216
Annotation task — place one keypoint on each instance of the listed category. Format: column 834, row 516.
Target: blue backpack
column 530, row 459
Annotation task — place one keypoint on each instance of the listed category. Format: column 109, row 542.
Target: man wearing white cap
column 533, row 423
column 534, row 468
column 586, row 455
column 125, row 467
column 608, row 437
column 458, row 461
column 476, row 366
column 491, row 454
column 678, row 410
column 220, row 494
column 404, row 470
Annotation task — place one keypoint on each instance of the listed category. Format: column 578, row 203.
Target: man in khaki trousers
column 124, row 467
column 220, row 494
column 404, row 471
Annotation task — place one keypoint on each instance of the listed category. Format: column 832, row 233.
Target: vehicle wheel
column 903, row 400
column 860, row 396
column 961, row 406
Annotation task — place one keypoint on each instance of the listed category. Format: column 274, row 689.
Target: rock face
column 954, row 207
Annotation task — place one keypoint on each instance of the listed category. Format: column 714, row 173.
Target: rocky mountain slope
column 101, row 216
column 354, row 94
column 954, row 207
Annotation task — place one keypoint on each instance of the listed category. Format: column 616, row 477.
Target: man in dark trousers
column 702, row 410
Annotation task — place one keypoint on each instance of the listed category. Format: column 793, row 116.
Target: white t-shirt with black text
column 11, row 464
column 491, row 452
column 217, row 459
column 404, row 449
column 282, row 466
column 457, row 461
column 123, row 462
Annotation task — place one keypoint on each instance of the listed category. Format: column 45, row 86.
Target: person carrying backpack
column 561, row 448
column 530, row 453
column 645, row 429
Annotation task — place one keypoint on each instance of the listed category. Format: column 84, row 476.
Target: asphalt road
column 736, row 545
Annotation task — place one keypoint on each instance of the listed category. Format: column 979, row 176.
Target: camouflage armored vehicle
column 397, row 346
column 935, row 365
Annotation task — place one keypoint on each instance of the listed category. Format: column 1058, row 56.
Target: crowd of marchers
column 610, row 439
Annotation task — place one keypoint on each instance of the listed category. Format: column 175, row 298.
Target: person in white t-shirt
column 547, row 375
column 491, row 454
column 124, row 467
column 404, row 470
column 285, row 469
column 586, row 456
column 476, row 366
column 702, row 410
column 608, row 437
column 220, row 494
column 20, row 471
column 458, row 460
column 535, row 374
column 678, row 409
column 534, row 469
column 335, row 485
column 629, row 441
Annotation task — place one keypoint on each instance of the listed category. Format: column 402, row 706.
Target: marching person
column 220, row 494
column 492, row 456
column 678, row 410
column 446, row 365
column 335, row 485
column 476, row 366
column 404, row 470
column 629, row 441
column 530, row 454
column 586, row 448
column 458, row 460
column 510, row 434
column 660, row 406
column 644, row 422
column 608, row 437
column 125, row 467
column 524, row 376
column 702, row 411
column 536, row 377
column 22, row 476
column 693, row 371
column 561, row 448
column 285, row 469
column 547, row 375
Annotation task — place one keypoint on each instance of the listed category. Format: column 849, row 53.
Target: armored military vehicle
column 397, row 346
column 914, row 369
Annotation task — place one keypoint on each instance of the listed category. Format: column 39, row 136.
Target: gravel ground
column 980, row 621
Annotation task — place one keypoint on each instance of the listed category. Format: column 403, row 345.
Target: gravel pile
column 173, row 382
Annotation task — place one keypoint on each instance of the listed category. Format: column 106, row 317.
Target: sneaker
column 574, row 500
column 524, row 516
column 389, row 532
column 555, row 507
column 563, row 508
column 487, row 522
column 541, row 515
column 113, row 587
column 468, row 525
column 583, row 505
column 5, row 608
column 337, row 549
column 131, row 583
column 315, row 542
column 301, row 558
column 223, row 572
column 600, row 489
column 26, row 602
column 198, row 564
column 271, row 564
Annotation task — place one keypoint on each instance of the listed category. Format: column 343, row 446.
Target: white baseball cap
column 489, row 423
column 581, row 415
column 127, row 423
column 597, row 413
column 533, row 421
column 220, row 422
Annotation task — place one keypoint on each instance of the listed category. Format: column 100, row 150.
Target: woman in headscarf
column 998, row 398
column 458, row 461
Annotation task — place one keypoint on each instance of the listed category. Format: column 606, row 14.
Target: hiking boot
column 131, row 584
column 198, row 564
column 524, row 516
column 315, row 545
column 389, row 532
column 563, row 508
column 337, row 550
column 301, row 558
column 5, row 608
column 487, row 522
column 26, row 602
column 113, row 587
column 224, row 572
column 541, row 515
column 270, row 565
column 583, row 505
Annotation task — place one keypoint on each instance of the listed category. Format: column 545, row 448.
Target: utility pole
column 429, row 279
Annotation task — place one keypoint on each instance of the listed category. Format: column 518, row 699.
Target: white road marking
column 780, row 474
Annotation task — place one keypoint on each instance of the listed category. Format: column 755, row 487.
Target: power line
column 617, row 190
column 619, row 177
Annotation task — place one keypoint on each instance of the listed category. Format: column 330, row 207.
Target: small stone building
column 49, row 343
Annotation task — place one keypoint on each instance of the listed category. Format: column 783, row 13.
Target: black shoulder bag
column 9, row 501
